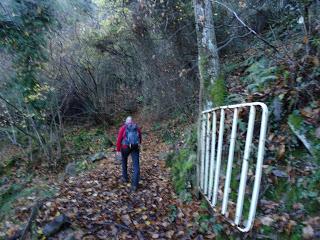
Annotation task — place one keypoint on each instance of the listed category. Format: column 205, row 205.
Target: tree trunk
column 208, row 62
column 208, row 59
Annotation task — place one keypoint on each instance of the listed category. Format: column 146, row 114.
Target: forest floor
column 99, row 206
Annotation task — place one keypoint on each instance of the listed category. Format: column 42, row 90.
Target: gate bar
column 207, row 155
column 218, row 163
column 245, row 165
column 202, row 149
column 213, row 153
column 230, row 161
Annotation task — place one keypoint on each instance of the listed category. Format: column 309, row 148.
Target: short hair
column 129, row 119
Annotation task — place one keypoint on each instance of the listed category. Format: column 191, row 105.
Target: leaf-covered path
column 101, row 207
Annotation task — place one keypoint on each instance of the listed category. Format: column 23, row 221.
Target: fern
column 259, row 75
column 234, row 98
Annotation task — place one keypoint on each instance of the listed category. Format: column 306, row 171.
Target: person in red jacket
column 128, row 141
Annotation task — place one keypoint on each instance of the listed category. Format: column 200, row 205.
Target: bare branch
column 231, row 39
column 246, row 26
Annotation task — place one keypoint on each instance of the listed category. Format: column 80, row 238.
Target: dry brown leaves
column 101, row 207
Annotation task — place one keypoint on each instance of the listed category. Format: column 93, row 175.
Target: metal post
column 245, row 165
column 202, row 150
column 213, row 153
column 218, row 163
column 207, row 161
column 230, row 162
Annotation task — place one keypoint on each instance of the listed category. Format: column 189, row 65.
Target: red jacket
column 121, row 136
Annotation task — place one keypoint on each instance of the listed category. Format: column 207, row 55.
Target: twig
column 123, row 227
column 11, row 105
column 139, row 235
column 33, row 215
column 108, row 223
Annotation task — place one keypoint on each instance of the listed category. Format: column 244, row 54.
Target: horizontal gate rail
column 211, row 147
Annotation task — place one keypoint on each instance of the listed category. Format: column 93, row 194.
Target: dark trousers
column 125, row 152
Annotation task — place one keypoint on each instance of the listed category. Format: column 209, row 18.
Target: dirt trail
column 101, row 207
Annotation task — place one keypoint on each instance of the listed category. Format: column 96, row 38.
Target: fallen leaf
column 169, row 234
column 297, row 206
column 267, row 221
column 307, row 112
column 155, row 235
column 279, row 173
column 126, row 219
column 281, row 151
column 307, row 232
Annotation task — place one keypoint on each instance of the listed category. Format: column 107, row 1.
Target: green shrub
column 93, row 140
column 6, row 165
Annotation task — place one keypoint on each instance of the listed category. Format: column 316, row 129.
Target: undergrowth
column 182, row 163
column 91, row 140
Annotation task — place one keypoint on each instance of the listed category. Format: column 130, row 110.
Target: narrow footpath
column 99, row 206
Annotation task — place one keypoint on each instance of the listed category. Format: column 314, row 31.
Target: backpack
column 131, row 135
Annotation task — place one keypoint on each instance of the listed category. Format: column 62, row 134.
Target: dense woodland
column 71, row 71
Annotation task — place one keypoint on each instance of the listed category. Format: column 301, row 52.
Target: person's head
column 128, row 120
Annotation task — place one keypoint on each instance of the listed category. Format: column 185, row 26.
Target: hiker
column 128, row 141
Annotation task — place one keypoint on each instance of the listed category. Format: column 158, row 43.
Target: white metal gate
column 211, row 158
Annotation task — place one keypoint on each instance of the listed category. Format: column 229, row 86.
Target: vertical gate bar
column 218, row 163
column 257, row 180
column 230, row 162
column 213, row 152
column 207, row 161
column 245, row 163
column 203, row 131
